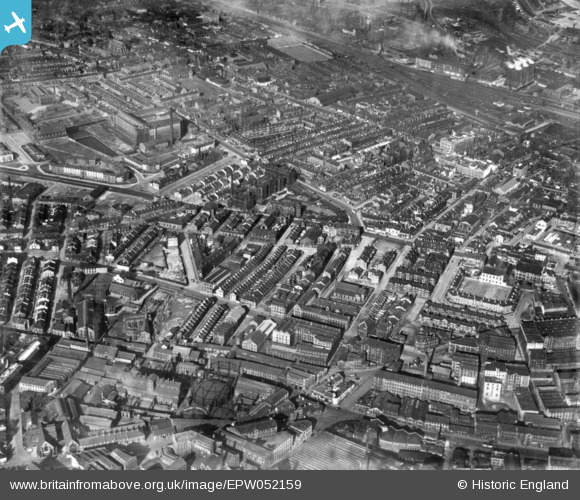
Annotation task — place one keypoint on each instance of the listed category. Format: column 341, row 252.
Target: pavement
column 363, row 386
column 193, row 291
column 352, row 215
column 332, row 416
column 230, row 147
column 438, row 294
column 15, row 141
column 514, row 319
column 483, row 228
column 190, row 267
column 35, row 174
column 453, row 205
column 401, row 254
column 60, row 178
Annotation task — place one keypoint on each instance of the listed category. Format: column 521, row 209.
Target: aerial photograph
column 290, row 235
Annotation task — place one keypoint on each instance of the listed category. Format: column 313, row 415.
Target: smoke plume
column 425, row 37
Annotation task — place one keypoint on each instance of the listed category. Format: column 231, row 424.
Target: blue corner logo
column 15, row 22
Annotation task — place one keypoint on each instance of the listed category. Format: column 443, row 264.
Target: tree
column 38, row 402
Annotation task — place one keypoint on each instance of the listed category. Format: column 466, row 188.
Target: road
column 15, row 141
column 363, row 386
column 467, row 97
column 401, row 254
column 190, row 179
column 226, row 145
column 429, row 14
column 37, row 175
column 456, row 203
column 33, row 169
column 445, row 279
column 354, row 218
column 514, row 320
column 332, row 416
column 44, row 170
column 190, row 267
column 192, row 290
column 483, row 228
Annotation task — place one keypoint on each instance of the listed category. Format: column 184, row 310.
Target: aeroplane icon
column 17, row 23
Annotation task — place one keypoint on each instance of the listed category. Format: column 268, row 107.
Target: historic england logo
column 15, row 17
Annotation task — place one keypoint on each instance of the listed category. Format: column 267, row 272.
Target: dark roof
column 336, row 95
column 568, row 327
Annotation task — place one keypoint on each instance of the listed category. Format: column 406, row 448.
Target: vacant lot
column 486, row 290
column 97, row 145
column 64, row 148
column 171, row 310
column 303, row 53
column 156, row 256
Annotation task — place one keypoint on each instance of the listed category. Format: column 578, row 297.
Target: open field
column 486, row 290
column 303, row 53
column 66, row 190
column 320, row 210
column 64, row 148
column 96, row 145
column 25, row 104
column 111, row 198
column 156, row 256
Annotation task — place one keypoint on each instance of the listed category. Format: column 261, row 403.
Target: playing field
column 486, row 290
column 303, row 53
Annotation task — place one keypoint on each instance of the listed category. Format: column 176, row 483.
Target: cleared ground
column 111, row 198
column 303, row 53
column 171, row 310
column 64, row 148
column 97, row 145
column 66, row 190
column 485, row 290
column 156, row 256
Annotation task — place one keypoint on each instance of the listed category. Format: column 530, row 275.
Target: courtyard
column 490, row 291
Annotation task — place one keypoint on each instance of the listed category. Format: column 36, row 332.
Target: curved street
column 353, row 216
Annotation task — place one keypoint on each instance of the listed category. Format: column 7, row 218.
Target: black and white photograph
column 290, row 235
